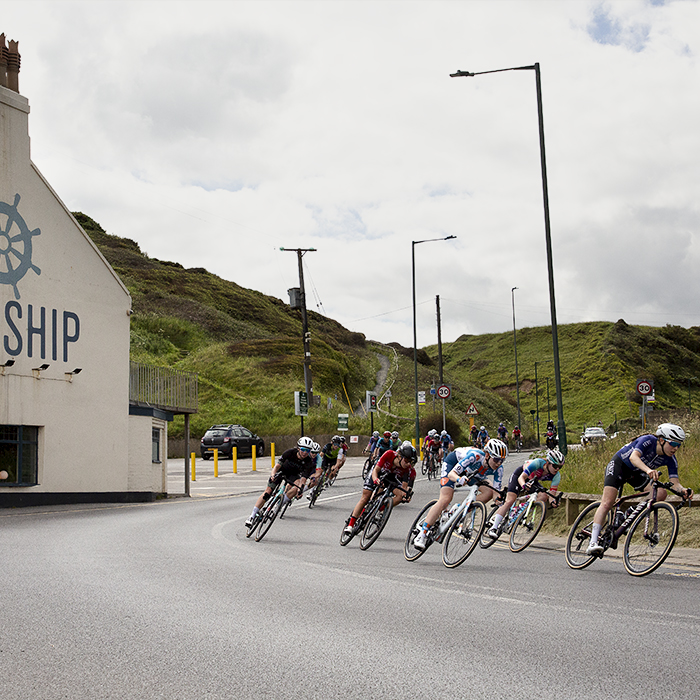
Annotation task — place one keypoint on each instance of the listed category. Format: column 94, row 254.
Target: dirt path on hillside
column 383, row 372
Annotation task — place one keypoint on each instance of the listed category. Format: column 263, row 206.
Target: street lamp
column 537, row 398
column 415, row 340
column 515, row 347
column 548, row 238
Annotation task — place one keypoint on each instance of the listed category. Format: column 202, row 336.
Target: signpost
column 646, row 389
column 343, row 422
column 444, row 392
column 301, row 406
column 471, row 412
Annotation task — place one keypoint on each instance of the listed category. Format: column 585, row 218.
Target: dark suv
column 226, row 437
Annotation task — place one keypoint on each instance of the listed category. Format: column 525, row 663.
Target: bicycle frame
column 443, row 524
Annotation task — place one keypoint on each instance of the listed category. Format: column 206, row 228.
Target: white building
column 68, row 430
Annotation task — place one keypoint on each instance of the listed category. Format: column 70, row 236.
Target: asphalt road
column 170, row 600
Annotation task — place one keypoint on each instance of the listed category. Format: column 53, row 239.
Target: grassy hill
column 247, row 350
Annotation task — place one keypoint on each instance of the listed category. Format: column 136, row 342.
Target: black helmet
column 408, row 451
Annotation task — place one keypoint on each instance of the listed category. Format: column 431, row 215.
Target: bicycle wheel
column 330, row 480
column 526, row 527
column 409, row 551
column 366, row 467
column 269, row 517
column 376, row 521
column 284, row 507
column 485, row 541
column 650, row 539
column 316, row 492
column 580, row 537
column 463, row 535
column 424, row 465
column 254, row 526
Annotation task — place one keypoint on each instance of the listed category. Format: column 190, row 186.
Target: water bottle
column 619, row 519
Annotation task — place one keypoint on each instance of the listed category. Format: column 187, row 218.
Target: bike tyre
column 254, row 526
column 579, row 537
column 640, row 557
column 330, row 480
column 451, row 558
column 317, row 491
column 376, row 522
column 523, row 532
column 410, row 552
column 485, row 541
column 269, row 517
column 424, row 465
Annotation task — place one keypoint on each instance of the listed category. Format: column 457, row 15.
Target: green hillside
column 247, row 350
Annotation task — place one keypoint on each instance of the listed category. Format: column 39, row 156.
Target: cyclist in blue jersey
column 465, row 466
column 638, row 464
column 317, row 459
column 372, row 443
column 540, row 469
column 483, row 436
column 446, row 444
column 502, row 432
column 383, row 444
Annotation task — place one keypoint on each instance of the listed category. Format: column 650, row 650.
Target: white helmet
column 496, row 448
column 315, row 448
column 669, row 431
column 306, row 443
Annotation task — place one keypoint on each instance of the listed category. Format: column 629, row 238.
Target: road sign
column 421, row 398
column 471, row 411
column 644, row 388
column 343, row 422
column 301, row 403
column 444, row 391
column 371, row 401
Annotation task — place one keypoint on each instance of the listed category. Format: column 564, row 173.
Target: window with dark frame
column 19, row 454
column 155, row 445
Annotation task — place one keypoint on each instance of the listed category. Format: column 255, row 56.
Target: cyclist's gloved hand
column 462, row 480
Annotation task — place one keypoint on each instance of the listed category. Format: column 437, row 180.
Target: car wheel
column 205, row 456
column 261, row 449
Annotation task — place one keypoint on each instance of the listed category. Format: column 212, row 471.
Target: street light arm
column 467, row 74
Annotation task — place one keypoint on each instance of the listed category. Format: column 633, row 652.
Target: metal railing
column 162, row 387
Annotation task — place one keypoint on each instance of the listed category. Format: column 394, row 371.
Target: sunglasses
column 497, row 460
column 673, row 443
column 557, row 467
column 304, row 449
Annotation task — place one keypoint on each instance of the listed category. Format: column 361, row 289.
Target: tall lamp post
column 415, row 339
column 561, row 431
column 515, row 347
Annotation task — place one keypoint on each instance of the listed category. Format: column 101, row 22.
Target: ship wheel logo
column 15, row 246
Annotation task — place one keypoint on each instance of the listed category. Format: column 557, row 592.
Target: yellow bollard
column 272, row 455
column 216, row 462
column 253, row 454
column 194, row 475
column 234, row 457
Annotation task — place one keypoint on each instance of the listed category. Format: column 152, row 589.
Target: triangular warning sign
column 471, row 411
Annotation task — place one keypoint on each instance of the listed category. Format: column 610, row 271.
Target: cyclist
column 637, row 464
column 483, row 437
column 295, row 465
column 474, row 433
column 540, row 469
column 502, row 433
column 317, row 459
column 464, row 466
column 334, row 455
column 395, row 442
column 372, row 443
column 517, row 436
column 446, row 444
column 400, row 463
column 383, row 444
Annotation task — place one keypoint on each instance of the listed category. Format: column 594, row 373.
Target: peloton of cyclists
column 465, row 466
column 540, row 469
column 295, row 465
column 637, row 464
column 401, row 463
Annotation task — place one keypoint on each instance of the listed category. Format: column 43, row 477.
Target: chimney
column 9, row 64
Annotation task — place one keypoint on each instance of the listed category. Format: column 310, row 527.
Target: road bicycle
column 433, row 466
column 523, row 521
column 517, row 444
column 264, row 518
column 375, row 515
column 458, row 529
column 367, row 467
column 316, row 490
column 425, row 464
column 651, row 528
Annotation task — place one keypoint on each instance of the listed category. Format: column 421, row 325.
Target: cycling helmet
column 375, row 434
column 443, row 433
column 315, row 448
column 555, row 457
column 669, row 431
column 305, row 442
column 336, row 440
column 387, row 434
column 496, row 448
column 500, row 425
column 483, row 427
column 395, row 434
column 408, row 451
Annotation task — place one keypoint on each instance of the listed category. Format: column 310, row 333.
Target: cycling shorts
column 290, row 475
column 513, row 485
column 618, row 473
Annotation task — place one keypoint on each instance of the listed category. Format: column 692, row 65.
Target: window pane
column 8, row 462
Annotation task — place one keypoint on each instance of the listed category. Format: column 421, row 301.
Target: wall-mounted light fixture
column 69, row 375
column 36, row 371
column 5, row 365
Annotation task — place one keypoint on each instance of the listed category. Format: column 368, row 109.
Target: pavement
column 248, row 482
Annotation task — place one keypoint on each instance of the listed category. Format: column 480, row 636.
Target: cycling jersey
column 446, row 441
column 292, row 468
column 383, row 444
column 387, row 466
column 395, row 444
column 483, row 436
column 502, row 432
column 331, row 453
column 469, row 462
column 645, row 446
column 533, row 469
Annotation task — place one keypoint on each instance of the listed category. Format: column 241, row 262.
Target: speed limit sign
column 644, row 388
column 444, row 391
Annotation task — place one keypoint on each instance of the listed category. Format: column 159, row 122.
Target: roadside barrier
column 254, row 454
column 194, row 473
column 234, row 457
column 216, row 463
column 272, row 455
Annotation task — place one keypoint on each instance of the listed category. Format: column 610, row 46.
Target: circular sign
column 444, row 391
column 644, row 388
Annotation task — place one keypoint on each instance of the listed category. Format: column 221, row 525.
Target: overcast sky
column 213, row 133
